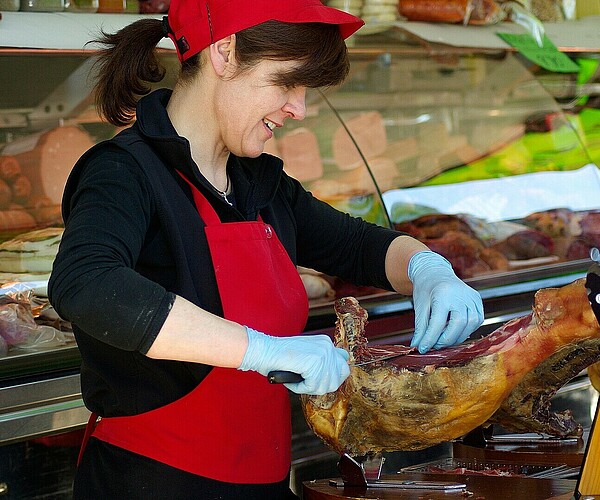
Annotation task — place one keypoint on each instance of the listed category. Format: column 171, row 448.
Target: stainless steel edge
column 39, row 408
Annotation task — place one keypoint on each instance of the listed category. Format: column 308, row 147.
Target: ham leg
column 416, row 401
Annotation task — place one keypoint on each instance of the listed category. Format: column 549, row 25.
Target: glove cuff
column 424, row 259
column 256, row 341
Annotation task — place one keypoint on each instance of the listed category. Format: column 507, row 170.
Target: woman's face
column 250, row 107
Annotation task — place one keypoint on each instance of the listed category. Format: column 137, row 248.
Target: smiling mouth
column 269, row 124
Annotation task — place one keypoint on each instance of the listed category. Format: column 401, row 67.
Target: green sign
column 547, row 56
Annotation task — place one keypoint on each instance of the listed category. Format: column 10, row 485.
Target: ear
column 222, row 55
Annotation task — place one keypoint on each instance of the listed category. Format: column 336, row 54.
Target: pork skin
column 416, row 400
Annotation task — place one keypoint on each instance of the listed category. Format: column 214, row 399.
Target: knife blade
column 287, row 377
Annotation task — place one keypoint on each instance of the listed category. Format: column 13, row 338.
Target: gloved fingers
column 475, row 317
column 453, row 331
column 461, row 324
column 457, row 330
column 327, row 381
column 325, row 371
column 435, row 327
column 479, row 315
column 473, row 304
column 345, row 354
column 422, row 310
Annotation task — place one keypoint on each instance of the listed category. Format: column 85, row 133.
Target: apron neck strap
column 205, row 209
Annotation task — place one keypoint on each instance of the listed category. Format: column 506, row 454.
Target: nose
column 295, row 107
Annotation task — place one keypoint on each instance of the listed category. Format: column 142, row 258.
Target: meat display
column 452, row 11
column 474, row 248
column 46, row 160
column 416, row 400
column 526, row 244
column 467, row 254
column 575, row 233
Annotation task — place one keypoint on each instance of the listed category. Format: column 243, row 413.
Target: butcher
column 178, row 264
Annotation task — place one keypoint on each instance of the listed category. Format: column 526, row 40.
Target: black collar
column 255, row 180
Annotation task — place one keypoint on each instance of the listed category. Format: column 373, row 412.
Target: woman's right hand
column 322, row 365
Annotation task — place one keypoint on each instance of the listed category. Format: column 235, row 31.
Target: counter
column 479, row 487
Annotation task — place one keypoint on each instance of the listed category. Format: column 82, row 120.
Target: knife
column 592, row 282
column 353, row 476
column 287, row 377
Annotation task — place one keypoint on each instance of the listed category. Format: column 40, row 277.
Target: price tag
column 547, row 56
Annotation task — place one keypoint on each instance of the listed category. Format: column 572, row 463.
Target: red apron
column 234, row 426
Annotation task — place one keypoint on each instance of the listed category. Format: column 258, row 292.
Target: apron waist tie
column 89, row 430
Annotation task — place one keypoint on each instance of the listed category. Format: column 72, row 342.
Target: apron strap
column 205, row 209
column 89, row 430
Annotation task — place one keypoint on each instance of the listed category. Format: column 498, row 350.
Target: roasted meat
column 454, row 237
column 434, row 226
column 415, row 401
column 574, row 233
column 468, row 255
column 526, row 244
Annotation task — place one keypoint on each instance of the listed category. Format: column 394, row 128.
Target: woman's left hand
column 447, row 310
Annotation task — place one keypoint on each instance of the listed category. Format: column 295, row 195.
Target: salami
column 479, row 12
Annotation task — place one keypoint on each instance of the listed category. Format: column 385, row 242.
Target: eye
column 282, row 84
column 283, row 81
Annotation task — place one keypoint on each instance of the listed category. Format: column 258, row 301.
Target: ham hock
column 414, row 401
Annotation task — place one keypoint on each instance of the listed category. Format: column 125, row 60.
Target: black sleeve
column 336, row 243
column 93, row 282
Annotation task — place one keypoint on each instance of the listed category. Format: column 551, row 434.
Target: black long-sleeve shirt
column 133, row 240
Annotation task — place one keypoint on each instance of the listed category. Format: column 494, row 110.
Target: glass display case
column 471, row 153
column 485, row 157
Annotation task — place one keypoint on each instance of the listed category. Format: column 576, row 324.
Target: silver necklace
column 224, row 194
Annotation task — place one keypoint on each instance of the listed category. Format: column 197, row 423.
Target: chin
column 253, row 153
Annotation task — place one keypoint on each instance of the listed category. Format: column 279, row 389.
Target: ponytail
column 128, row 61
column 126, row 65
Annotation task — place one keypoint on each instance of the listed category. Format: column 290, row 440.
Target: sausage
column 9, row 168
column 13, row 221
column 451, row 11
column 5, row 195
column 21, row 189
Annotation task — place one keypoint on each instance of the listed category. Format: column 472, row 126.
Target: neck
column 207, row 150
column 227, row 189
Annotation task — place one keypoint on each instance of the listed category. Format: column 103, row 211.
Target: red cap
column 195, row 24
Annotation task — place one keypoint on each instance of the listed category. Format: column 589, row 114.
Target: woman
column 180, row 249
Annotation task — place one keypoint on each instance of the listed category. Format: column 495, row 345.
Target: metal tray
column 501, row 468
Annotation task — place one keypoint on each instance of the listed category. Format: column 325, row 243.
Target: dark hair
column 128, row 63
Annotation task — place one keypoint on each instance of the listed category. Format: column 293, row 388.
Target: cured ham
column 414, row 401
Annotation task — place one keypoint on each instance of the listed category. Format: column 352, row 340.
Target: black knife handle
column 284, row 377
column 593, row 285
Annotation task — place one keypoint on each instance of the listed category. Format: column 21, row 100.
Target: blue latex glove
column 322, row 365
column 447, row 310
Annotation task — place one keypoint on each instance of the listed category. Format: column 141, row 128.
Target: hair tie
column 165, row 27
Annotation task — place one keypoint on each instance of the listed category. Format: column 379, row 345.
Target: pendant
column 224, row 195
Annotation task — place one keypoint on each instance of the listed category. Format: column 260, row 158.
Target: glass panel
column 464, row 192
column 44, row 129
column 327, row 154
column 475, row 157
